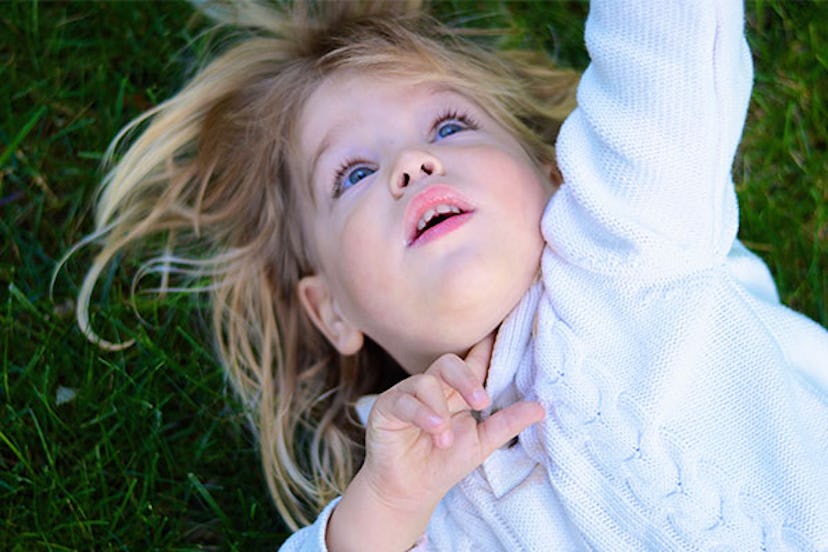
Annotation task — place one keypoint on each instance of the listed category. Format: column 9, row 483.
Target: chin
column 477, row 314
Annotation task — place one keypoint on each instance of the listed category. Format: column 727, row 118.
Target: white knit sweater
column 687, row 409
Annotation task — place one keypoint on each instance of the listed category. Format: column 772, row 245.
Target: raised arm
column 647, row 155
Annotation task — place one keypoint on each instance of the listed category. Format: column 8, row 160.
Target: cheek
column 540, row 193
column 520, row 186
column 360, row 270
column 535, row 191
column 535, row 199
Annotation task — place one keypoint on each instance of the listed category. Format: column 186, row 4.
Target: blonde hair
column 208, row 185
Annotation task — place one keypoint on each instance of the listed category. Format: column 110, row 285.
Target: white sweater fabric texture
column 686, row 408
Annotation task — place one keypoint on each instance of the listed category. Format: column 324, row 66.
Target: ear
column 553, row 172
column 321, row 307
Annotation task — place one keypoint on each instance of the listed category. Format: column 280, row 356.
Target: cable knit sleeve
column 647, row 155
column 312, row 537
column 686, row 408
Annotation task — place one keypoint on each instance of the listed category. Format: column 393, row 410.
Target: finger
column 429, row 390
column 460, row 377
column 412, row 408
column 408, row 410
column 504, row 425
column 479, row 356
column 426, row 389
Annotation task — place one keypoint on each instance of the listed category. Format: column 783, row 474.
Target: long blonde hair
column 207, row 185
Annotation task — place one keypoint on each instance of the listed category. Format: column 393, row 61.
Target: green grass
column 152, row 453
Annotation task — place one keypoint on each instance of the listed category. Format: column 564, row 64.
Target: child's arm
column 679, row 421
column 422, row 440
column 646, row 157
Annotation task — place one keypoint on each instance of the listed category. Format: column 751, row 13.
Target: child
column 375, row 178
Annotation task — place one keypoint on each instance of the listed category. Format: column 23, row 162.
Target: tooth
column 441, row 209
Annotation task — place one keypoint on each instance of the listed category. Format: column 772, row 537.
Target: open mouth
column 435, row 216
column 436, row 220
column 433, row 212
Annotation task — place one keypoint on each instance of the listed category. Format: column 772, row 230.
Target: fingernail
column 444, row 439
column 479, row 397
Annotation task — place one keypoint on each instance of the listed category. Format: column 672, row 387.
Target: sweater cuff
column 322, row 524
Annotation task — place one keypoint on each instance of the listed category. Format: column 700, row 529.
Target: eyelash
column 453, row 115
column 446, row 115
column 342, row 171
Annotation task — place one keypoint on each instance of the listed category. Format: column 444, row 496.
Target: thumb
column 504, row 425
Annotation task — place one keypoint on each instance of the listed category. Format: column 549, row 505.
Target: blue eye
column 448, row 128
column 350, row 174
column 357, row 174
column 451, row 122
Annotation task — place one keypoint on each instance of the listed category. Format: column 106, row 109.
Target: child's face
column 383, row 157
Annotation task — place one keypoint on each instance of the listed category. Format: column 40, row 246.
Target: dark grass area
column 144, row 449
column 150, row 453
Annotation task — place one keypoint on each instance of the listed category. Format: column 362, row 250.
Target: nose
column 411, row 166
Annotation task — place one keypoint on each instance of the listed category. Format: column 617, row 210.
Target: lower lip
column 445, row 227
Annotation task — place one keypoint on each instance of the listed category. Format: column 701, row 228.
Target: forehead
column 347, row 95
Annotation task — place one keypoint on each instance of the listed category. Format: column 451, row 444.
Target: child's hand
column 422, row 439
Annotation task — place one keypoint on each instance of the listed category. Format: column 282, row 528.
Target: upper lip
column 430, row 198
